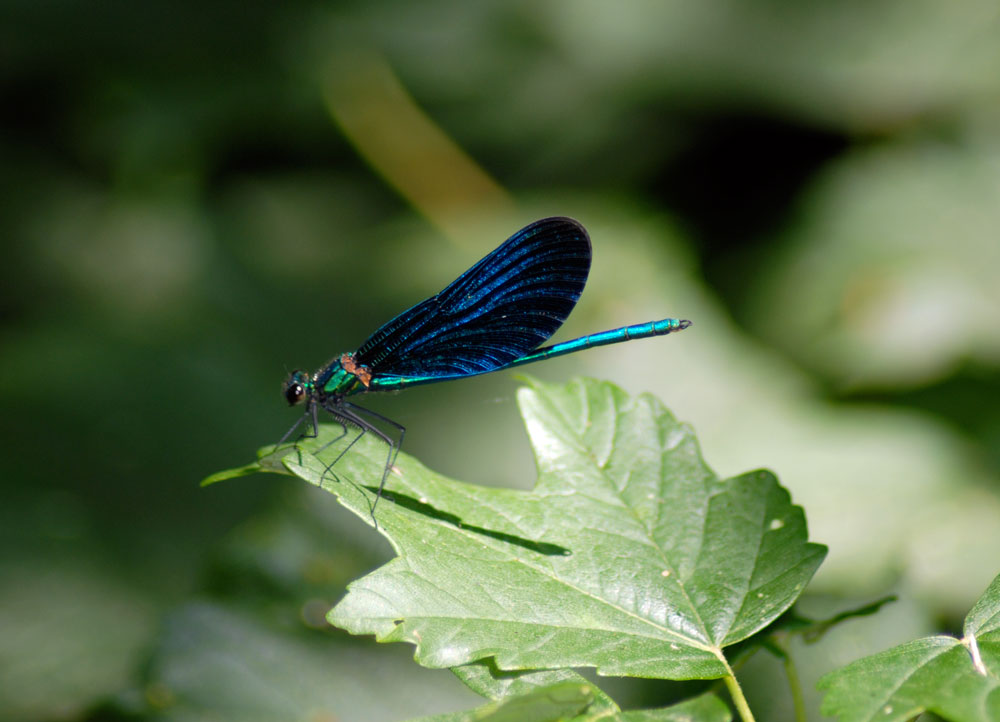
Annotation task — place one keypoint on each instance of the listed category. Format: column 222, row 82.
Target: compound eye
column 295, row 391
column 294, row 394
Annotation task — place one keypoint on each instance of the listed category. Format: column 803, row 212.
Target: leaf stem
column 776, row 646
column 795, row 686
column 736, row 694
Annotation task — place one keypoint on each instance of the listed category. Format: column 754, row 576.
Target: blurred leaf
column 887, row 277
column 216, row 664
column 71, row 633
column 576, row 82
column 630, row 555
column 283, row 558
column 958, row 679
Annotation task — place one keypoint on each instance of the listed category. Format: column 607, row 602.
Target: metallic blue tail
column 604, row 338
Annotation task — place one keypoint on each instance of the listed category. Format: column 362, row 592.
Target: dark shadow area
column 408, row 502
column 733, row 186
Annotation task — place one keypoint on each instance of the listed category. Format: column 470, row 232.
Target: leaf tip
column 218, row 476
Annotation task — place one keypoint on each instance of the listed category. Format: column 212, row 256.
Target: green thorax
column 342, row 377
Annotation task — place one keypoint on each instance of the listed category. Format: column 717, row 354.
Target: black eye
column 295, row 390
column 294, row 394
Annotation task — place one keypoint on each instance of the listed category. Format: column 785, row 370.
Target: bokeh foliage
column 196, row 198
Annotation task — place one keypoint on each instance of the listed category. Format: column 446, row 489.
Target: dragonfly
column 495, row 316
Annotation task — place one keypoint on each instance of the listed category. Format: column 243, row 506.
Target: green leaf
column 704, row 708
column 630, row 555
column 484, row 678
column 577, row 700
column 792, row 623
column 957, row 679
column 812, row 630
column 550, row 703
column 985, row 615
column 487, row 680
column 239, row 471
column 269, row 459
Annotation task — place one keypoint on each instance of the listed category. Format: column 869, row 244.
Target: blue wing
column 506, row 305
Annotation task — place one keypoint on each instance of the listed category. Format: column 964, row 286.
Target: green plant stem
column 736, row 694
column 776, row 646
column 795, row 686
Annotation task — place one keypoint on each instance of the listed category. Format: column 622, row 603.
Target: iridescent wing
column 503, row 307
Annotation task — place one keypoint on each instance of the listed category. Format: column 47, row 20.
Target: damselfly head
column 296, row 387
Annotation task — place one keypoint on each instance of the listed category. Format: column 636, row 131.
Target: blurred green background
column 196, row 198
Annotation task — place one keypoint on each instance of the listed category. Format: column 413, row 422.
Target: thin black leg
column 345, row 413
column 296, row 425
column 394, row 446
column 311, row 413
